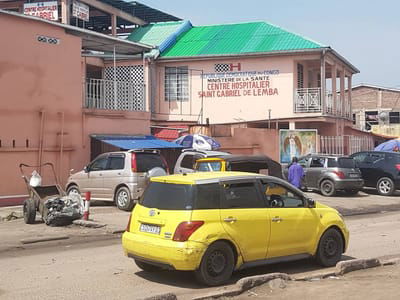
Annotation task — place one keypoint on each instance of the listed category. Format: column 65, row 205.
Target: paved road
column 99, row 269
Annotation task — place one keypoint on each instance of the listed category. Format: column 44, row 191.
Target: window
column 302, row 162
column 99, row 164
column 300, row 76
column 208, row 196
column 168, row 196
column 317, row 162
column 189, row 160
column 209, row 166
column 176, row 83
column 373, row 158
column 241, row 195
column 394, row 117
column 280, row 196
column 148, row 161
column 116, row 162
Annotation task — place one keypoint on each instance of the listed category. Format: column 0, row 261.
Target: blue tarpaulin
column 135, row 142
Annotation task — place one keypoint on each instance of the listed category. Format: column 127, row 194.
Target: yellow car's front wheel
column 217, row 264
column 330, row 248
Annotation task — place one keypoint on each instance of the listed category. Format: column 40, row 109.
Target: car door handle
column 277, row 219
column 230, row 220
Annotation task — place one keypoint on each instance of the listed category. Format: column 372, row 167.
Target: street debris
column 90, row 224
column 12, row 216
column 64, row 210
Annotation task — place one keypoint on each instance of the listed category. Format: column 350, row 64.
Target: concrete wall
column 41, row 104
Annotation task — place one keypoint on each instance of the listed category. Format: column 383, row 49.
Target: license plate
column 354, row 175
column 150, row 228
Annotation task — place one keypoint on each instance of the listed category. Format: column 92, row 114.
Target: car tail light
column 129, row 223
column 398, row 167
column 185, row 230
column 133, row 162
column 339, row 174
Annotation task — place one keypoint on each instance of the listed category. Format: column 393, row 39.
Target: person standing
column 296, row 173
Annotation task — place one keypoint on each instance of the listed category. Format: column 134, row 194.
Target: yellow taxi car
column 214, row 223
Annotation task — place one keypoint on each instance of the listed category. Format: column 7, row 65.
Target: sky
column 367, row 33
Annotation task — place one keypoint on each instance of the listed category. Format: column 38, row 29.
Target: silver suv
column 330, row 173
column 118, row 176
column 186, row 161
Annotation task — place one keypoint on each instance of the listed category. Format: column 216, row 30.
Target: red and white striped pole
column 87, row 206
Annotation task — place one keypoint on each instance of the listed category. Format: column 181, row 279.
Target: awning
column 135, row 142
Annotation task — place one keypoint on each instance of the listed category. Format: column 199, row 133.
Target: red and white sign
column 44, row 10
column 80, row 11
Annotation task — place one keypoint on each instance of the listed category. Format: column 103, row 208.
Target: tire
column 385, row 186
column 73, row 189
column 352, row 192
column 330, row 248
column 217, row 264
column 123, row 199
column 327, row 188
column 147, row 267
column 29, row 210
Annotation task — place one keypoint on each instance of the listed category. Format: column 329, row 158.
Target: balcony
column 114, row 95
column 310, row 100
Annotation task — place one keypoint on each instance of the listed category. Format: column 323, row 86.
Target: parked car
column 118, row 176
column 330, row 173
column 380, row 170
column 187, row 159
column 213, row 223
column 243, row 163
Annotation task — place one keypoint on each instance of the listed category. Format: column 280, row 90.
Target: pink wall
column 43, row 83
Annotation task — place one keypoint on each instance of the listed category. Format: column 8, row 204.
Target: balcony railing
column 307, row 100
column 310, row 100
column 114, row 95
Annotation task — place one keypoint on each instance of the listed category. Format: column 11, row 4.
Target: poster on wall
column 296, row 143
column 45, row 10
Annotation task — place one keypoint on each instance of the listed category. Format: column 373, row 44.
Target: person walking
column 296, row 173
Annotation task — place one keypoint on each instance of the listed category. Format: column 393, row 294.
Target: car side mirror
column 310, row 202
column 86, row 169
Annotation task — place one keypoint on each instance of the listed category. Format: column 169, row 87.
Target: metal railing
column 307, row 100
column 310, row 100
column 114, row 95
column 345, row 145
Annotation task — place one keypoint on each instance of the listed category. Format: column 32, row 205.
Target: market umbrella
column 198, row 142
column 389, row 146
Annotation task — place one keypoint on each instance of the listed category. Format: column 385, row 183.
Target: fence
column 345, row 145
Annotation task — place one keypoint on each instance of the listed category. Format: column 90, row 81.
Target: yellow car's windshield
column 209, row 166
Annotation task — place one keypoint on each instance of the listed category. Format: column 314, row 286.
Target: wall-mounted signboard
column 80, row 11
column 45, row 10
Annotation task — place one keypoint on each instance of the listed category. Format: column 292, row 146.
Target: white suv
column 118, row 176
column 188, row 157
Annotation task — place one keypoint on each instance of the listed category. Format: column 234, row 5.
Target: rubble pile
column 62, row 211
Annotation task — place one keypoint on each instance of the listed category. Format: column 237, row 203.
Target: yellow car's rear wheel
column 217, row 264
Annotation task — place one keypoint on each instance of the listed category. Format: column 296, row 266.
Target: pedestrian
column 296, row 173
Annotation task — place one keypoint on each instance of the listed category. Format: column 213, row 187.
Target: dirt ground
column 375, row 283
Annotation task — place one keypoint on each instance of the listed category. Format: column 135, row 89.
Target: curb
column 341, row 268
column 167, row 296
column 44, row 239
column 243, row 285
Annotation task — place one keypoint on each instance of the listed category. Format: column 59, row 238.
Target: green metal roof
column 154, row 34
column 236, row 39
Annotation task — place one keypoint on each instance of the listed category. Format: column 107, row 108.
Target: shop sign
column 45, row 10
column 80, row 11
column 297, row 143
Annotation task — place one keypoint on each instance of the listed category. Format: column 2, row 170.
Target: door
column 95, row 183
column 245, row 218
column 315, row 171
column 114, row 174
column 367, row 162
column 293, row 225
